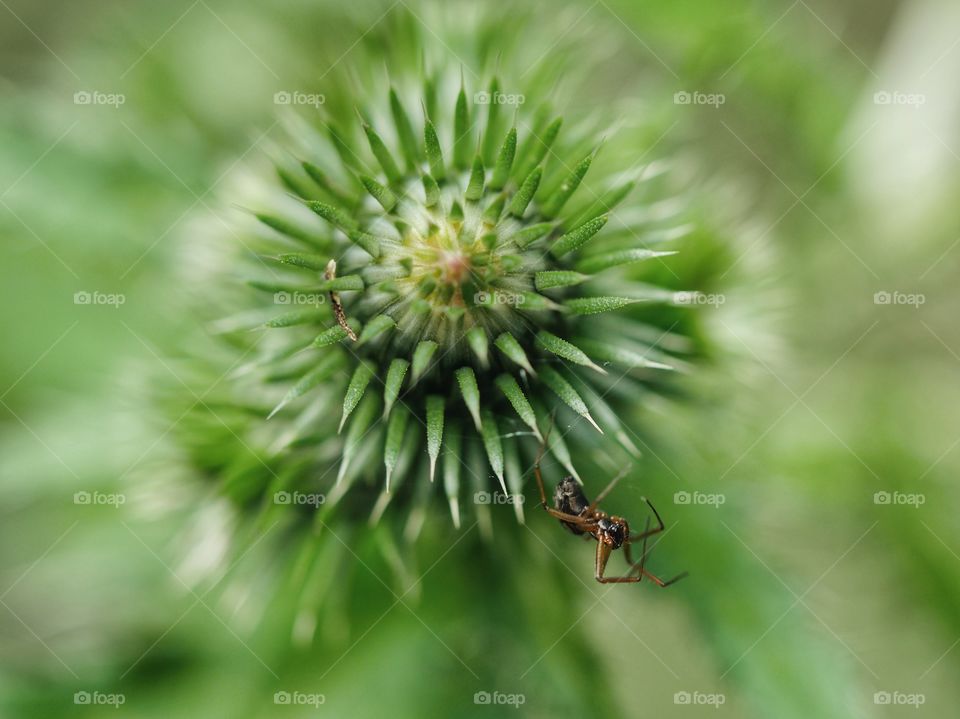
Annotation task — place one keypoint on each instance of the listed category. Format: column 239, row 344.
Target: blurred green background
column 826, row 577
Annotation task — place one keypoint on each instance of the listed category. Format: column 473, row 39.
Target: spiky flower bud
column 439, row 271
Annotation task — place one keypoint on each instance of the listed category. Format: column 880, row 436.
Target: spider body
column 569, row 498
column 584, row 518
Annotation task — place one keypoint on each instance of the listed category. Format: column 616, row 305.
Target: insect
column 584, row 518
column 329, row 274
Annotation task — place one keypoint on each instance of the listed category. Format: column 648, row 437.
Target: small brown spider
column 583, row 518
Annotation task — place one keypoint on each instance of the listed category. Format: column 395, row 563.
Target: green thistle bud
column 456, row 276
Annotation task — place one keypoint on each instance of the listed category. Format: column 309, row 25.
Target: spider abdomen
column 570, row 499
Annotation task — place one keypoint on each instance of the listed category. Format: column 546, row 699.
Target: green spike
column 501, row 170
column 391, row 386
column 280, row 287
column 328, row 365
column 422, row 356
column 380, row 151
column 293, row 183
column 622, row 356
column 533, row 302
column 335, row 216
column 551, row 279
column 416, row 517
column 509, row 345
column 475, row 186
column 514, row 476
column 529, row 235
column 553, row 204
column 434, row 153
column 362, row 420
column 358, row 385
column 396, row 428
column 596, row 305
column 493, row 120
column 538, row 148
column 430, row 96
column 489, row 241
column 330, row 337
column 518, row 400
column 461, row 131
column 565, row 391
column 377, row 326
column 598, row 263
column 511, row 263
column 477, row 339
column 451, row 471
column 420, row 307
column 290, row 230
column 518, row 205
column 431, row 191
column 434, row 429
column 344, row 150
column 367, row 242
column 347, row 283
column 307, row 262
column 408, row 140
column 471, row 393
column 580, row 236
column 321, row 180
column 556, row 444
column 493, row 445
column 297, row 317
column 611, row 422
column 492, row 214
column 567, row 351
column 477, row 465
column 380, row 193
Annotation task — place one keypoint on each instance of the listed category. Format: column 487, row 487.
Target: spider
column 584, row 518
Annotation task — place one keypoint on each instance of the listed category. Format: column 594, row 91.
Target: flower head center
column 454, row 266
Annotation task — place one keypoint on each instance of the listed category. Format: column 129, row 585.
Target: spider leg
column 644, row 573
column 628, row 550
column 584, row 523
column 536, row 470
column 640, row 566
column 647, row 531
column 536, row 464
column 603, row 554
